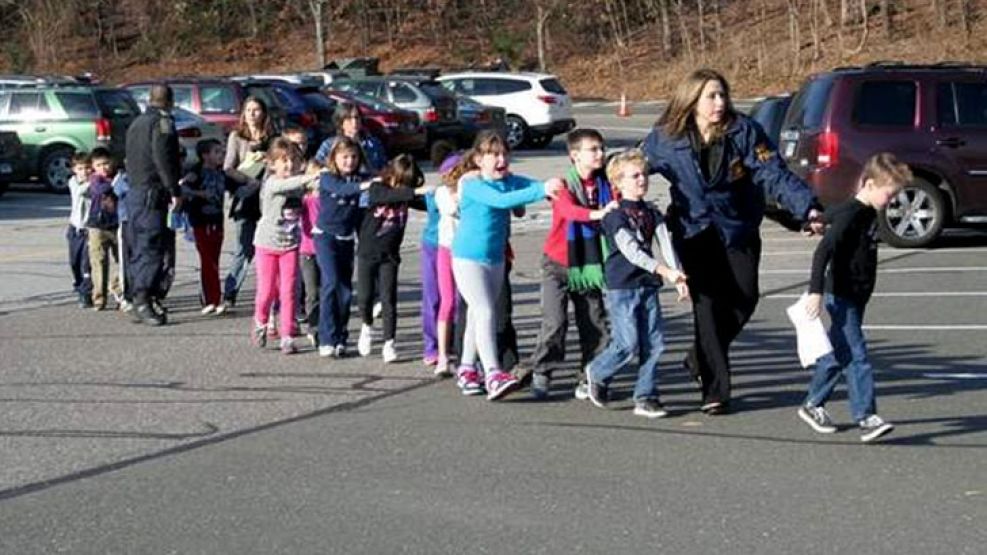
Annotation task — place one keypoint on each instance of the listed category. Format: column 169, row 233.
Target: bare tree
column 318, row 7
column 886, row 18
column 684, row 31
column 666, row 32
column 794, row 34
column 543, row 10
column 700, row 17
column 864, row 29
column 964, row 9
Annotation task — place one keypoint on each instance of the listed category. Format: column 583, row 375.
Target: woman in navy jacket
column 719, row 164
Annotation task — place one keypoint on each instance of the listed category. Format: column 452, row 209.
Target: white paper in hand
column 809, row 332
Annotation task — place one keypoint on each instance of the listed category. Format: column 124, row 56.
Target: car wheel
column 914, row 217
column 516, row 131
column 56, row 169
column 540, row 141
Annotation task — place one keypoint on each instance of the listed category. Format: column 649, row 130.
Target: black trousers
column 723, row 283
column 377, row 277
column 153, row 244
column 507, row 349
column 590, row 316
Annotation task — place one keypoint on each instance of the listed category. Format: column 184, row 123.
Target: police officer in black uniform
column 154, row 168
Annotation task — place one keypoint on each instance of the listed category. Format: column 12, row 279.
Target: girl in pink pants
column 276, row 241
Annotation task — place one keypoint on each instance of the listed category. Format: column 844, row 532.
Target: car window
column 510, row 86
column 887, row 103
column 263, row 93
column 809, row 105
column 183, row 96
column 77, row 105
column 366, row 87
column 23, row 105
column 453, row 85
column 553, row 86
column 962, row 104
column 218, row 99
column 117, row 104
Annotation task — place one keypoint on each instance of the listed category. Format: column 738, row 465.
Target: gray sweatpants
column 479, row 284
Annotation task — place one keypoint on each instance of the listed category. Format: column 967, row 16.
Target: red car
column 400, row 130
column 216, row 100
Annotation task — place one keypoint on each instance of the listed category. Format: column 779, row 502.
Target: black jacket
column 849, row 252
column 152, row 153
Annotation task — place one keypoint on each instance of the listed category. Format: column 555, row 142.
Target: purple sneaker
column 500, row 384
column 469, row 381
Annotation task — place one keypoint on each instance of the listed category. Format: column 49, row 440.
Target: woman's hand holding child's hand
column 813, row 305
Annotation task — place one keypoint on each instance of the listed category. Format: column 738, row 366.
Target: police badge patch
column 763, row 153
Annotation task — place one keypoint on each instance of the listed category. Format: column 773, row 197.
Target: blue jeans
column 242, row 256
column 335, row 258
column 849, row 356
column 635, row 329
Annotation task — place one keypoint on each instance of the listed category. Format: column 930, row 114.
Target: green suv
column 52, row 122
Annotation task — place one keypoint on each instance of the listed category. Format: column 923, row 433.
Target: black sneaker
column 715, row 408
column 145, row 314
column 649, row 408
column 817, row 418
column 85, row 301
column 873, row 427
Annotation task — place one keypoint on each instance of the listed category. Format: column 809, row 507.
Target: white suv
column 538, row 107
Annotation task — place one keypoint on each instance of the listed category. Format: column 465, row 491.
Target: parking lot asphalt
column 118, row 438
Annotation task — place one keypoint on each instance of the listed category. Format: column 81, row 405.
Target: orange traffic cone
column 624, row 110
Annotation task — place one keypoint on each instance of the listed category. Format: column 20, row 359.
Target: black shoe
column 158, row 307
column 85, row 301
column 691, row 365
column 145, row 314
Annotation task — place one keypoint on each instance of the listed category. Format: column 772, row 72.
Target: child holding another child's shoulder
column 849, row 251
column 633, row 275
column 276, row 241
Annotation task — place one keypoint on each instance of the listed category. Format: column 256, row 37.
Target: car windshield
column 371, row 102
column 117, row 103
column 434, row 90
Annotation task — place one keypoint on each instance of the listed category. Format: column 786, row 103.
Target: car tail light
column 827, row 149
column 431, row 115
column 190, row 133
column 104, row 130
column 308, row 119
column 548, row 99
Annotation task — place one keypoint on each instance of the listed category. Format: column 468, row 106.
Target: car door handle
column 40, row 129
column 951, row 142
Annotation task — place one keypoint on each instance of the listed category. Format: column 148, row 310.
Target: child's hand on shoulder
column 553, row 187
column 813, row 305
column 424, row 190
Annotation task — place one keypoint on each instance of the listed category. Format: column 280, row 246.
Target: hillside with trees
column 600, row 48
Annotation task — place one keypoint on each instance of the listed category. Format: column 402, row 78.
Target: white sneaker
column 208, row 309
column 378, row 309
column 388, row 351
column 873, row 427
column 326, row 351
column 221, row 309
column 442, row 369
column 364, row 344
column 340, row 350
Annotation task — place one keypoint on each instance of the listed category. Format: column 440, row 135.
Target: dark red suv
column 933, row 117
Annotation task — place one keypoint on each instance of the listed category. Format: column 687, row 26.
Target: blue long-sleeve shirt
column 339, row 197
column 374, row 157
column 732, row 200
column 485, row 215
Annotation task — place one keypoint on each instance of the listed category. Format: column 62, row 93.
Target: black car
column 770, row 113
column 11, row 160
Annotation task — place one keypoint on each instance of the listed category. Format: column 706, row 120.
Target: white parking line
column 924, row 270
column 925, row 327
column 955, row 376
column 898, row 294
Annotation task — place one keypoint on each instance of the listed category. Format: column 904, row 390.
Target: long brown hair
column 343, row 143
column 485, row 143
column 266, row 126
column 681, row 110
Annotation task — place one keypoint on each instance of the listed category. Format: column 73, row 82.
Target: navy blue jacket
column 374, row 157
column 339, row 197
column 733, row 200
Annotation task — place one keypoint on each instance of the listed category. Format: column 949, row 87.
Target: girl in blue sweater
column 486, row 197
column 335, row 238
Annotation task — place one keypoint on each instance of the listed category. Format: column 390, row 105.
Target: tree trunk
column 965, row 17
column 541, row 17
column 865, row 30
column 320, row 45
column 700, row 16
column 793, row 33
column 886, row 19
column 761, row 49
column 666, row 31
column 814, row 30
column 684, row 32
